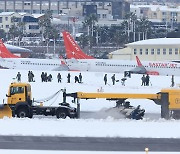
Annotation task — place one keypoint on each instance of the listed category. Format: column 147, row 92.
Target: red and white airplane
column 78, row 60
column 11, row 61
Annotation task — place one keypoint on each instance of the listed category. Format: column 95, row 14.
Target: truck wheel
column 61, row 114
column 22, row 113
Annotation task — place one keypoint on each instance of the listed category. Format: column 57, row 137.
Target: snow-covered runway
column 107, row 124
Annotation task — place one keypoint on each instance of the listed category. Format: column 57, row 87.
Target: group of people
column 113, row 78
column 77, row 79
column 31, row 76
column 145, row 80
column 45, row 77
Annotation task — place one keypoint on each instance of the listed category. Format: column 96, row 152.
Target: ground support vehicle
column 169, row 99
column 20, row 104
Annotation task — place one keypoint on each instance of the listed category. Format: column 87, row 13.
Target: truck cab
column 19, row 92
column 19, row 99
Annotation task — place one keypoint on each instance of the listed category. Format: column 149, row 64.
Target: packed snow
column 99, row 113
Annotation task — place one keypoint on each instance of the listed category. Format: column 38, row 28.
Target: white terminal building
column 152, row 49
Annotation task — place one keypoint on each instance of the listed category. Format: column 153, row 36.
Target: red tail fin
column 5, row 53
column 72, row 48
column 138, row 61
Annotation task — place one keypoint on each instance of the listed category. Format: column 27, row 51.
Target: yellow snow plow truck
column 20, row 104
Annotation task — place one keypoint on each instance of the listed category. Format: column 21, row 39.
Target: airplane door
column 88, row 67
column 14, row 65
column 84, row 66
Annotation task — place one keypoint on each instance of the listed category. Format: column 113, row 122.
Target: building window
column 140, row 52
column 33, row 26
column 152, row 51
column 0, row 19
column 100, row 4
column 7, row 26
column 158, row 51
column 6, row 18
column 104, row 16
column 170, row 51
column 146, row 52
column 135, row 51
column 176, row 51
column 163, row 13
column 164, row 51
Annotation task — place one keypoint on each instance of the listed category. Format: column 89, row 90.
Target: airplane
column 78, row 60
column 11, row 61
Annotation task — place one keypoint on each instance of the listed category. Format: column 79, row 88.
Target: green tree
column 83, row 40
column 21, row 28
column 130, row 24
column 89, row 22
column 45, row 24
column 2, row 34
column 144, row 27
column 13, row 30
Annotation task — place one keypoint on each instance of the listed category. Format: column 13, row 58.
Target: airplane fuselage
column 32, row 64
column 119, row 66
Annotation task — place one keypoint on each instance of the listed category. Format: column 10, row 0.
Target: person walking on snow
column 147, row 80
column 59, row 77
column 172, row 81
column 143, row 79
column 105, row 79
column 80, row 78
column 68, row 78
column 113, row 79
column 18, row 77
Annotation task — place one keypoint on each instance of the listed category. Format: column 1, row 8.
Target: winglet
column 138, row 61
column 72, row 48
column 5, row 53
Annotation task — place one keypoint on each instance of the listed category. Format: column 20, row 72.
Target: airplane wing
column 140, row 69
column 4, row 52
column 63, row 66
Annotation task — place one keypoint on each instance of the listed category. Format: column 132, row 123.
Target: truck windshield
column 16, row 90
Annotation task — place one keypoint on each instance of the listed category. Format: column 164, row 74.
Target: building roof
column 155, row 7
column 37, row 15
column 6, row 13
column 158, row 41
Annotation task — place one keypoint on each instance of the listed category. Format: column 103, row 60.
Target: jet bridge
column 169, row 99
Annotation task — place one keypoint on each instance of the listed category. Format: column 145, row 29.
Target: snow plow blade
column 5, row 111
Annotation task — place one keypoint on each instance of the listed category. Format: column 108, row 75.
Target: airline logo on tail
column 72, row 48
column 5, row 53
